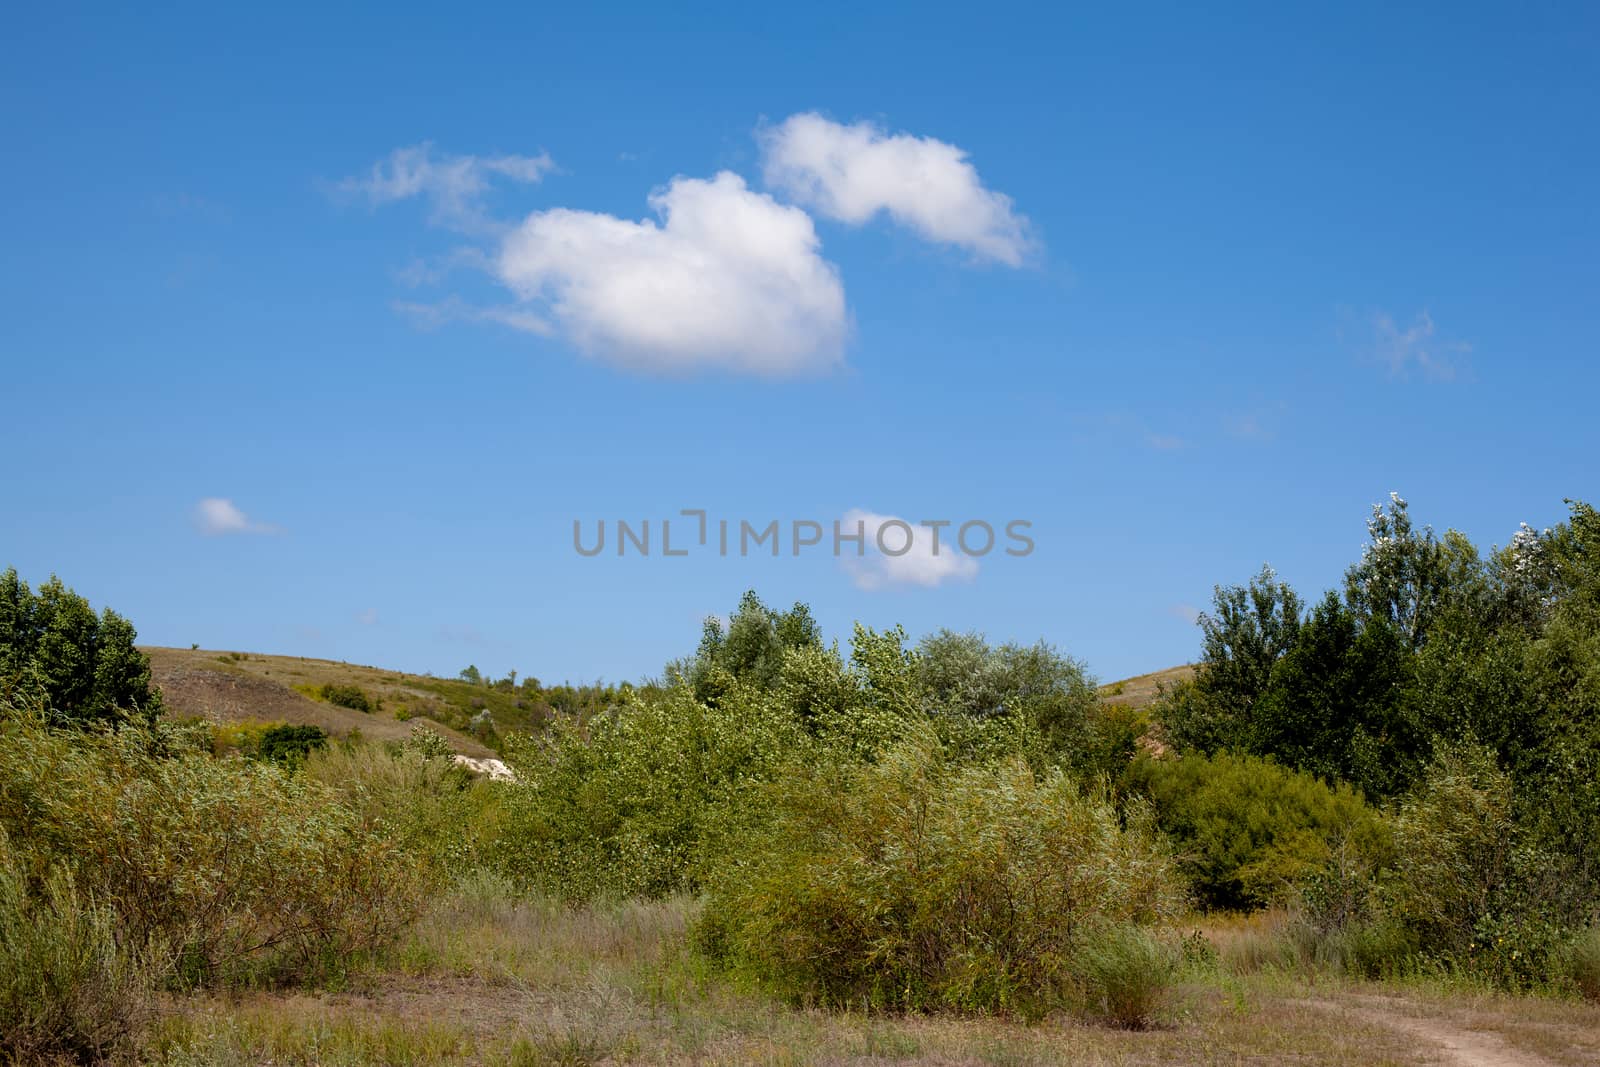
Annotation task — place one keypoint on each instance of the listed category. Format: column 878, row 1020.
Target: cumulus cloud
column 898, row 552
column 216, row 516
column 851, row 173
column 453, row 184
column 728, row 278
column 1417, row 347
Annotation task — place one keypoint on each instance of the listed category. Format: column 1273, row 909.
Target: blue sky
column 1187, row 291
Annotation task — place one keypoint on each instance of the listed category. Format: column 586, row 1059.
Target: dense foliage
column 1249, row 832
column 645, row 798
column 55, row 651
column 285, row 743
column 1460, row 690
column 919, row 882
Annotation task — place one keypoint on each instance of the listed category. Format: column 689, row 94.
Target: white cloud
column 1417, row 347
column 368, row 617
column 728, row 278
column 851, row 173
column 454, row 184
column 918, row 564
column 215, row 516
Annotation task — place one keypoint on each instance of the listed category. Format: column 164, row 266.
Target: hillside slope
column 1141, row 691
column 238, row 687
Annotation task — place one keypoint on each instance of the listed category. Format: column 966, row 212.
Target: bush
column 347, row 696
column 633, row 803
column 1454, row 840
column 1249, row 832
column 437, row 811
column 918, row 884
column 239, row 867
column 290, row 744
column 67, row 988
column 1126, row 974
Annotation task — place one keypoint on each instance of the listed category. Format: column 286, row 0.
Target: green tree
column 751, row 649
column 84, row 667
column 1406, row 575
column 1334, row 705
column 1249, row 628
column 961, row 674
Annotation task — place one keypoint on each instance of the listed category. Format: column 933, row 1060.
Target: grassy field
column 487, row 980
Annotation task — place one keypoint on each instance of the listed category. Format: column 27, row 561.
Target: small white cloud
column 729, row 279
column 1416, row 347
column 898, row 552
column 215, row 516
column 368, row 617
column 453, row 184
column 851, row 173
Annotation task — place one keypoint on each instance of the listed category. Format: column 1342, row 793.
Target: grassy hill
column 1141, row 691
column 246, row 686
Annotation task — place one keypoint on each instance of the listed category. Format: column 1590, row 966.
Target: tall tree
column 53, row 647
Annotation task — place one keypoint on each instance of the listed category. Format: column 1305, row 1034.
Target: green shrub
column 1126, row 974
column 1249, row 832
column 347, row 696
column 1583, row 962
column 1454, row 839
column 417, row 796
column 917, row 884
column 239, row 867
column 1374, row 949
column 634, row 803
column 67, row 988
column 284, row 743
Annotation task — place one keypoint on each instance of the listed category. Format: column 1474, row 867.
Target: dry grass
column 1141, row 691
column 249, row 687
column 487, row 981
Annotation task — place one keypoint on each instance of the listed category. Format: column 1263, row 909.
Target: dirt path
column 1457, row 1046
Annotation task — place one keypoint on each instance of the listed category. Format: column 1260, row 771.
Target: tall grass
column 1584, row 962
column 1126, row 974
column 68, row 989
column 243, row 870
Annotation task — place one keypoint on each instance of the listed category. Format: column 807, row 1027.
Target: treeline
column 1458, row 691
column 543, row 702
